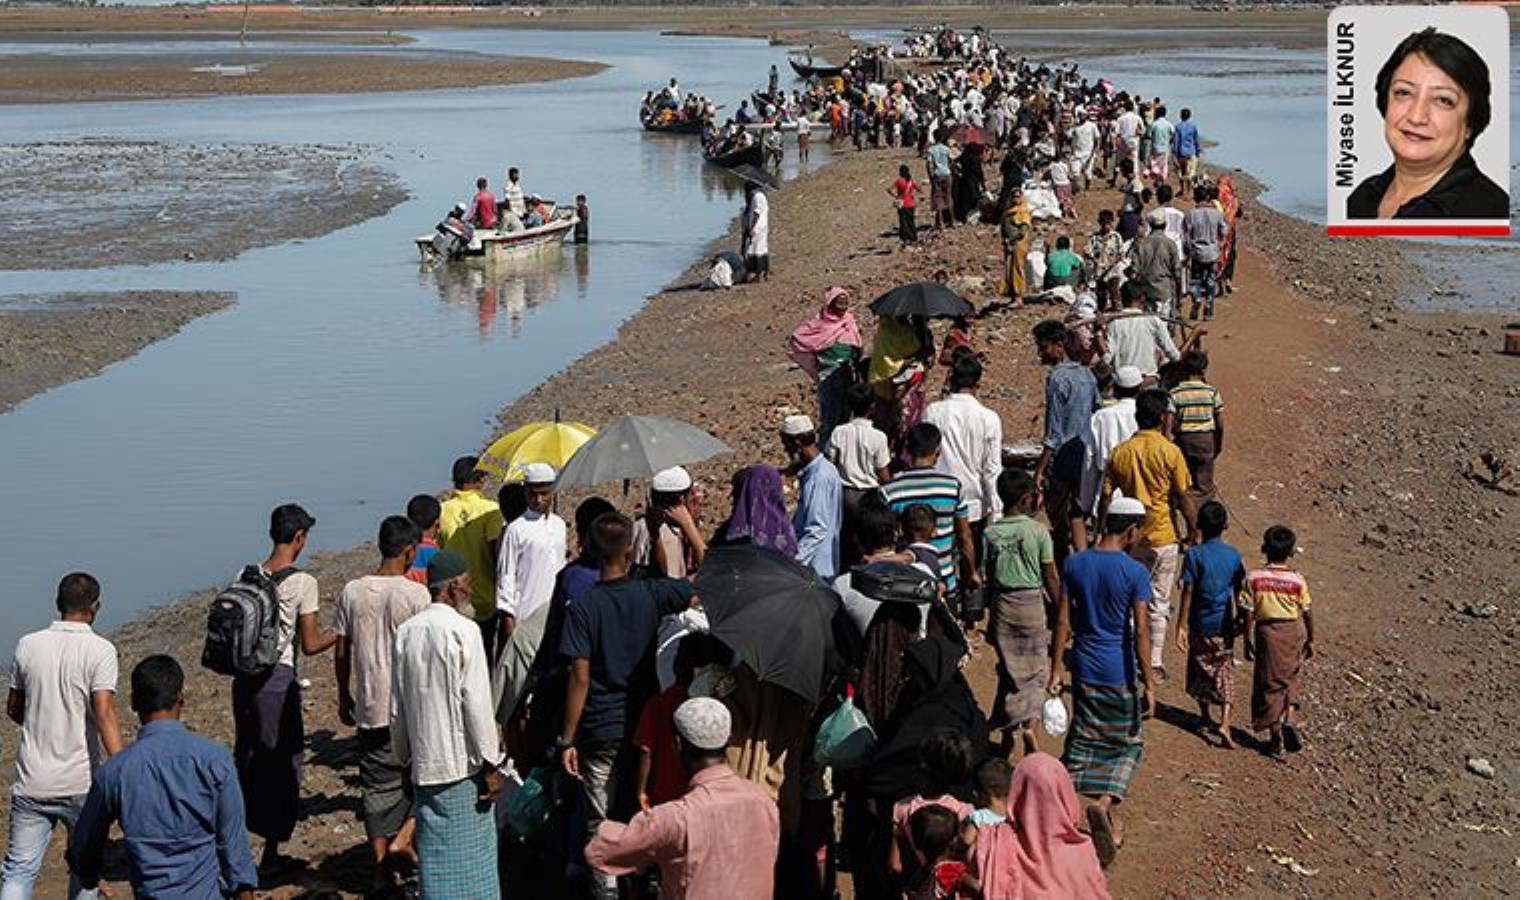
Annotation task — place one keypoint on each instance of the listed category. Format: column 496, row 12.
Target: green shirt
column 1017, row 548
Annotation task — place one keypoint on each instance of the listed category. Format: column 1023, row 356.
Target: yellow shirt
column 467, row 525
column 1150, row 468
column 1276, row 593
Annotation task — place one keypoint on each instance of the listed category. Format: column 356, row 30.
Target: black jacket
column 1464, row 192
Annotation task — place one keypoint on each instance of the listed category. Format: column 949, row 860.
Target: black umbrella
column 928, row 299
column 774, row 614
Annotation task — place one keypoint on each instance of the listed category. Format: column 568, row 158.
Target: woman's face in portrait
column 1426, row 122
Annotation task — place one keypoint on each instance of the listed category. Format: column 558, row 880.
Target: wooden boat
column 675, row 126
column 496, row 247
column 753, row 155
column 811, row 70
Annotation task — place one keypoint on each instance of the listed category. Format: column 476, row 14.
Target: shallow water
column 347, row 378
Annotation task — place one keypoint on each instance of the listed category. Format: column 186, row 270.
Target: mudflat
column 51, row 339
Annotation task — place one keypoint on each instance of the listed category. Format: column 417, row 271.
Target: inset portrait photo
column 1418, row 110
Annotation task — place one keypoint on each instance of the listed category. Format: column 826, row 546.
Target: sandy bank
column 52, row 339
column 265, row 194
column 134, row 76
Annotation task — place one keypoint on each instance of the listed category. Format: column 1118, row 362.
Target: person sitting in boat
column 454, row 233
column 510, row 223
column 538, row 212
column 743, row 116
column 673, row 95
column 482, row 212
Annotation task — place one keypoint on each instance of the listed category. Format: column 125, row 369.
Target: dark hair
column 697, row 650
column 1163, row 193
column 467, row 471
column 875, row 523
column 1160, row 111
column 157, row 683
column 859, row 398
column 947, row 756
column 1014, row 485
column 965, row 371
column 1186, row 113
column 1050, row 331
column 481, row 182
column 904, row 172
column 1063, row 243
column 918, row 518
column 591, row 509
column 1130, row 292
column 396, row 534
column 77, row 592
column 424, row 510
column 1151, row 407
column 1212, row 518
column 993, row 777
column 1200, row 194
column 512, row 497
column 932, row 829
column 1115, row 524
column 922, row 440
column 1195, row 362
column 611, row 534
column 1105, row 216
column 1279, row 543
column 287, row 521
column 1459, row 61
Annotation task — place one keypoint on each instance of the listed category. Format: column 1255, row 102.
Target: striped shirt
column 1276, row 593
column 1196, row 403
column 941, row 493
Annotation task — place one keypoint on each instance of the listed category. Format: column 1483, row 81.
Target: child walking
column 1279, row 637
column 1212, row 576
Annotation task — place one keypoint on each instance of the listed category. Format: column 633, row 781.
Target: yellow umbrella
column 546, row 442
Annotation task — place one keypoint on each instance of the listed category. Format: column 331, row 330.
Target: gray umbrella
column 637, row 447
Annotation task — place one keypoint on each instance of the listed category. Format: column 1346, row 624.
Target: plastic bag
column 529, row 808
column 1054, row 717
column 845, row 738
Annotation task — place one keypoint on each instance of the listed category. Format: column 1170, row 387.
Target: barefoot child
column 1279, row 636
column 1212, row 575
column 1022, row 585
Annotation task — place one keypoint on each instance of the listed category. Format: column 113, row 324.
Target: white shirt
column 1174, row 219
column 532, row 553
column 298, row 595
column 512, row 195
column 857, row 449
column 760, row 225
column 1109, row 427
column 370, row 609
column 59, row 669
column 1128, row 126
column 442, row 717
column 972, row 450
column 1084, row 139
column 1134, row 340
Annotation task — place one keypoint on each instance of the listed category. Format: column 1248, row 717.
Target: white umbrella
column 637, row 447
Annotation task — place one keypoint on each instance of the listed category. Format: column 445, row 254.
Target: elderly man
column 666, row 539
column 1137, row 338
column 532, row 553
column 442, row 722
column 719, row 840
column 1157, row 265
column 820, row 498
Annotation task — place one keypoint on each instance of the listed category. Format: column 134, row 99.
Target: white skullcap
column 673, row 480
column 795, row 425
column 704, row 723
column 1157, row 217
column 1121, row 505
column 538, row 473
column 1128, row 377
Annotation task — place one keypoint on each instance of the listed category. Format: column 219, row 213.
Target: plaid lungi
column 456, row 842
column 1210, row 670
column 1104, row 743
column 1022, row 644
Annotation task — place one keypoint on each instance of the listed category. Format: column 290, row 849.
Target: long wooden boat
column 753, row 155
column 676, row 126
column 496, row 247
column 813, row 70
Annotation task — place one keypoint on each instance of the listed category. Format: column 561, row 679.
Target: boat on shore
column 809, row 69
column 495, row 246
column 751, row 155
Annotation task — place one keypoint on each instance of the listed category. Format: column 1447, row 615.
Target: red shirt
column 483, row 215
column 656, row 735
column 907, row 190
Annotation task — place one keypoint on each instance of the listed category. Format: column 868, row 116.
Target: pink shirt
column 719, row 842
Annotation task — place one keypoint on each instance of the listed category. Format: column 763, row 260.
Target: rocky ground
column 265, row 194
column 51, row 339
column 171, row 75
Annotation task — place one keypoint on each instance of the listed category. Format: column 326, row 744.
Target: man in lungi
column 532, row 553
column 444, row 724
column 370, row 610
column 1103, row 610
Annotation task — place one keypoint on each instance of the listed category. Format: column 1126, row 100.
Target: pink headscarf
column 1038, row 852
column 822, row 332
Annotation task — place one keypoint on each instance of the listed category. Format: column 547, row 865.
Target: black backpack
column 889, row 582
column 243, row 627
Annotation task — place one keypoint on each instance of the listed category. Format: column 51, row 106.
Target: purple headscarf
column 759, row 514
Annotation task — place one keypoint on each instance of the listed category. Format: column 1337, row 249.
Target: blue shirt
column 1071, row 397
column 1215, row 571
column 177, row 798
column 819, row 515
column 939, row 160
column 1162, row 133
column 1104, row 587
column 1185, row 138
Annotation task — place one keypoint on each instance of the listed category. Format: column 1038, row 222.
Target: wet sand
column 133, row 76
column 262, row 194
column 52, row 339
